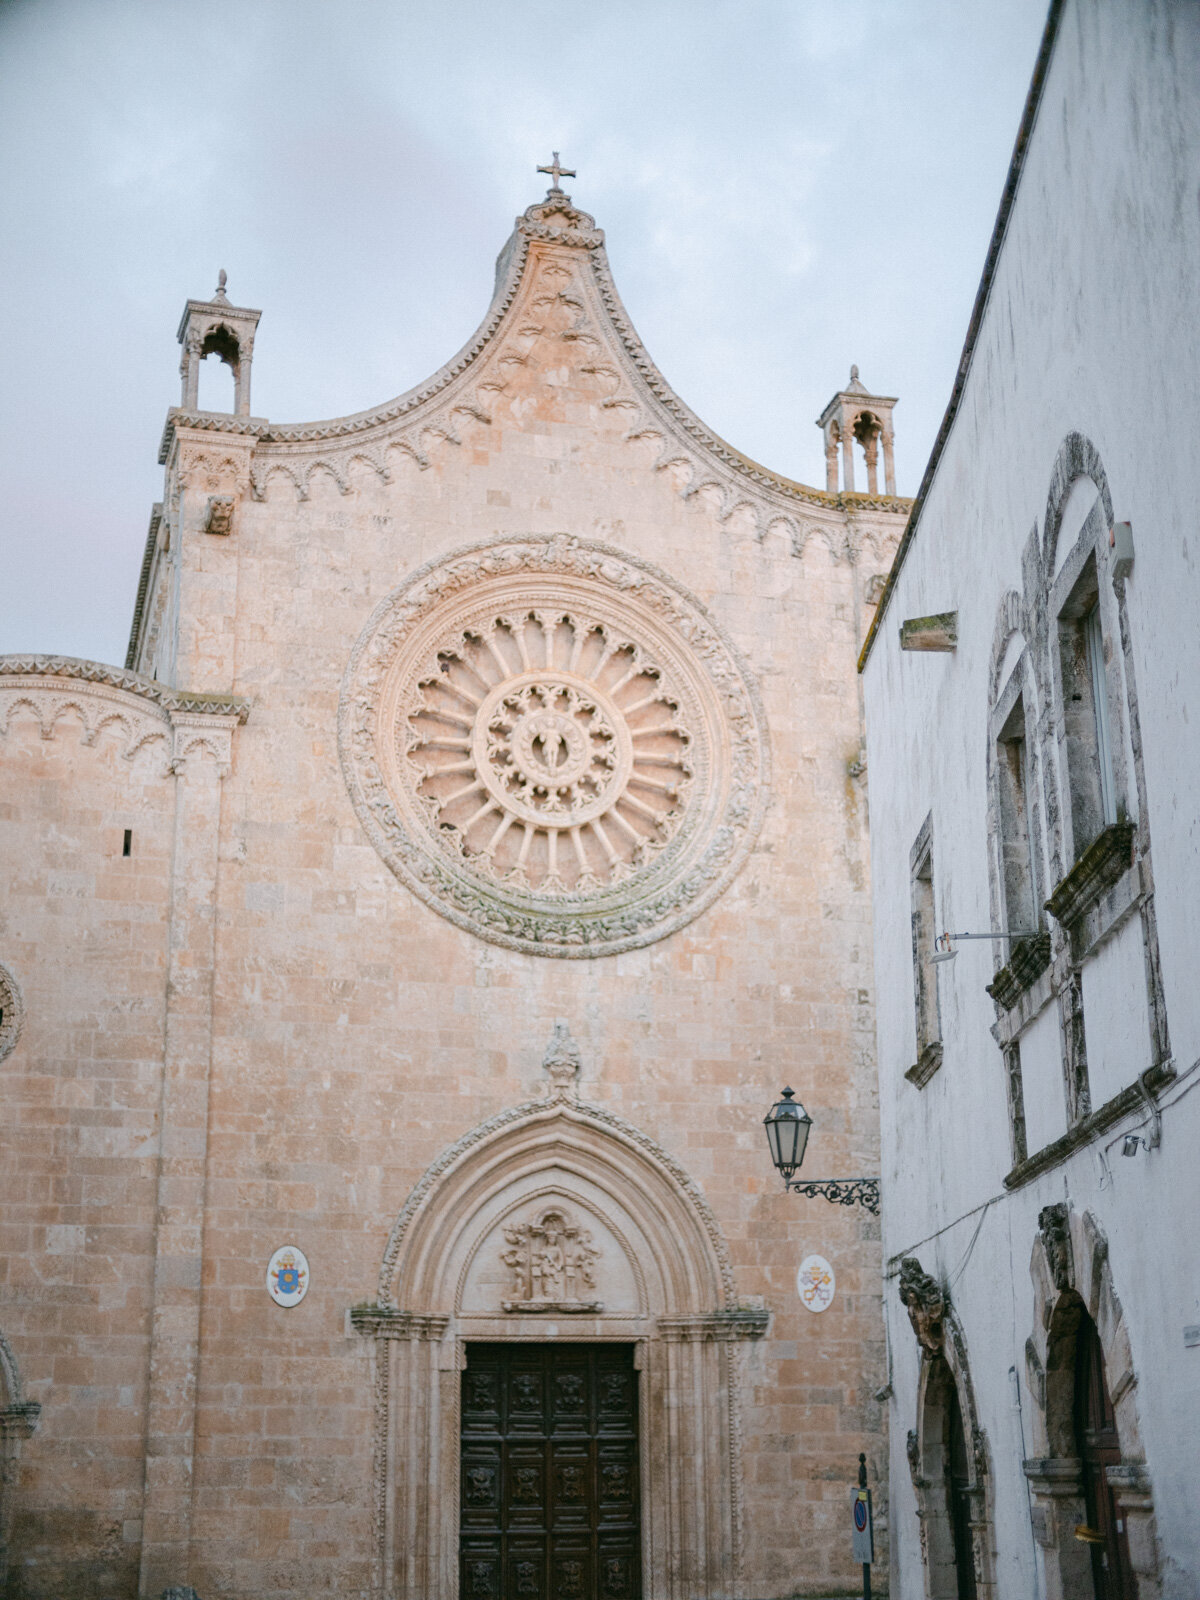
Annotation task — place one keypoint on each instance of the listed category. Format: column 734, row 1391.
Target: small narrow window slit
column 127, row 843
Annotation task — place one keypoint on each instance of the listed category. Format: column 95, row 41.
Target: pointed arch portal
column 559, row 1222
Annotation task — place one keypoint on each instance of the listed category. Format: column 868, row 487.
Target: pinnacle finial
column 853, row 374
column 556, row 171
column 222, row 280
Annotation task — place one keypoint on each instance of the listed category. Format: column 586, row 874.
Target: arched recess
column 18, row 1419
column 945, row 1373
column 1071, row 1273
column 660, row 1280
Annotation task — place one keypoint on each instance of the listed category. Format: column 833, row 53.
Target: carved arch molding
column 944, row 1367
column 558, row 1220
column 554, row 745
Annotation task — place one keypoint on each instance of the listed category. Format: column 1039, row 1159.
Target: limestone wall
column 357, row 1033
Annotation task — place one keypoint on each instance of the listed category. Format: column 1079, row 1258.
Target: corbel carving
column 219, row 516
column 926, row 1304
column 1055, row 1227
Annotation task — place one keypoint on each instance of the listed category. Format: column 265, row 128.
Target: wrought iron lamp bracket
column 840, row 1191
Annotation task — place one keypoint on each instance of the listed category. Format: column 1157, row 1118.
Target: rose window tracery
column 549, row 752
column 553, row 745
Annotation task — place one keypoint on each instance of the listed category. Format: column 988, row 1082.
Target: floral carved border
column 683, row 881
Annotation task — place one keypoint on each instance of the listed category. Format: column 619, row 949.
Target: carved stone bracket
column 1055, row 1228
column 744, row 1322
column 375, row 1321
column 926, row 1303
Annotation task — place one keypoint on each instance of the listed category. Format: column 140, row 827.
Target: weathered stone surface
column 251, row 1031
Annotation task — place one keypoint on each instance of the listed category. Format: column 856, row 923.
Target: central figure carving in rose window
column 551, row 750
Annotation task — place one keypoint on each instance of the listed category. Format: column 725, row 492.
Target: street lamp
column 787, row 1124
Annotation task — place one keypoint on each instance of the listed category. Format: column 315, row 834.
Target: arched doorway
column 1093, row 1503
column 958, row 1499
column 948, row 1488
column 556, row 1300
column 947, row 1452
column 1099, row 1451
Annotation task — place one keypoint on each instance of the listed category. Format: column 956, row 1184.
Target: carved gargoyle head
column 926, row 1304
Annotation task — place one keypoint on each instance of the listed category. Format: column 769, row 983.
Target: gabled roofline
column 556, row 221
column 1015, row 167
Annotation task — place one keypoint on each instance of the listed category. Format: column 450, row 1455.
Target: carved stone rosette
column 554, row 746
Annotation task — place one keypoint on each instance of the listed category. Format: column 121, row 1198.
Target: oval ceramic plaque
column 287, row 1276
column 815, row 1283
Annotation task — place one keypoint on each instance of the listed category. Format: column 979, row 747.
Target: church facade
column 400, row 953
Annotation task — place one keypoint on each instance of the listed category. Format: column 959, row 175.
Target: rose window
column 553, row 745
column 549, row 752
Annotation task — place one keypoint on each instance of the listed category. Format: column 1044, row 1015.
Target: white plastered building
column 1032, row 690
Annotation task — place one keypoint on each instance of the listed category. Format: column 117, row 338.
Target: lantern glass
column 787, row 1124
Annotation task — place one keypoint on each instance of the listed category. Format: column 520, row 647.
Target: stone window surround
column 1102, row 908
column 925, row 991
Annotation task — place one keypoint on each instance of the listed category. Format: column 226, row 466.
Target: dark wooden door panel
column 549, row 1500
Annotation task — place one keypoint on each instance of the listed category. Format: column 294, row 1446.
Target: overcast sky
column 787, row 186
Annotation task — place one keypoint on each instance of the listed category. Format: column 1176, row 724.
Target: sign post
column 862, row 1527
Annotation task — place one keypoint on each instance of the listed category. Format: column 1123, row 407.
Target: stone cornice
column 170, row 700
column 250, row 429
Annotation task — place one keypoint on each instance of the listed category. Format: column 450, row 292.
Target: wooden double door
column 549, row 1496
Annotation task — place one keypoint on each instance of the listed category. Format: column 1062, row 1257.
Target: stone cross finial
column 562, row 1061
column 556, row 171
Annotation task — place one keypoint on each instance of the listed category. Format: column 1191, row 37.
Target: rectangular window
column 924, row 932
column 1095, row 650
column 1086, row 716
column 1022, row 900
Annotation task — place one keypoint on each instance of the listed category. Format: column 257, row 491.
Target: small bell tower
column 215, row 327
column 856, row 416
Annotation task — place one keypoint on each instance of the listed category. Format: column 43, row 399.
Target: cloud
column 786, row 187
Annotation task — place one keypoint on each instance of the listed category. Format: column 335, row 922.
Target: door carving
column 549, row 1492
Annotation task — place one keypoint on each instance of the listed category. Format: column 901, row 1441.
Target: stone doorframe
column 1070, row 1270
column 18, row 1419
column 944, row 1364
column 687, row 1328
